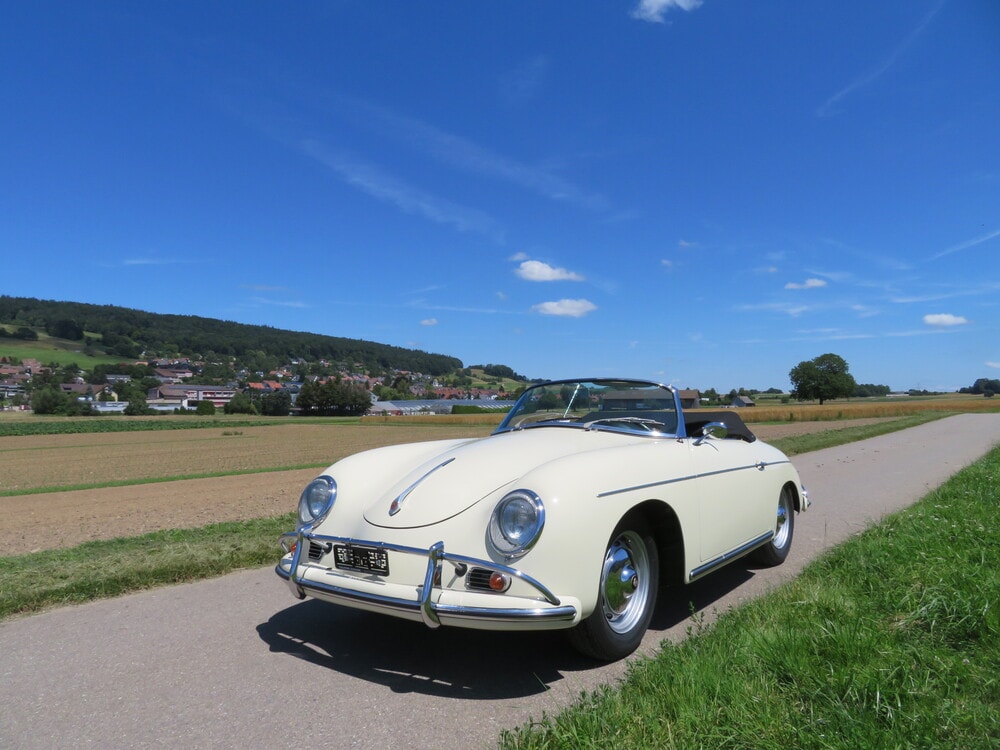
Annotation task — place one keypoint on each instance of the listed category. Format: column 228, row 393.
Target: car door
column 734, row 506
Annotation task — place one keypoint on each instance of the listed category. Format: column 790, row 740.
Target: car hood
column 463, row 475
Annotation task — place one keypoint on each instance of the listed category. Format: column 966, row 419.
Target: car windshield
column 630, row 405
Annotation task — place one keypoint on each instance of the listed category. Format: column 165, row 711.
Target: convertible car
column 588, row 495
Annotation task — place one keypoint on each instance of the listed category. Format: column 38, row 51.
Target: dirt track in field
column 53, row 520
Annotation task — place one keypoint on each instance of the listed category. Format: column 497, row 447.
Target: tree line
column 128, row 333
column 983, row 387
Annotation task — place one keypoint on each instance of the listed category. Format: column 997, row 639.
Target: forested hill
column 125, row 332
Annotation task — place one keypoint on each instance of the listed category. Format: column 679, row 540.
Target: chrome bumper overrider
column 430, row 611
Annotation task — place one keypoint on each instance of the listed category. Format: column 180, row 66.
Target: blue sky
column 703, row 193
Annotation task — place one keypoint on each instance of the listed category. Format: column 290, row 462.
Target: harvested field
column 58, row 461
column 63, row 519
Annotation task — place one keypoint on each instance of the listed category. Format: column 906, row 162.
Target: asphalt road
column 237, row 662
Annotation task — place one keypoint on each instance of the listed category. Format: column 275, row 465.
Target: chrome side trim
column 728, row 557
column 760, row 466
column 430, row 612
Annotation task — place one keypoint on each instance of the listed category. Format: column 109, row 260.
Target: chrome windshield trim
column 595, row 426
column 508, row 426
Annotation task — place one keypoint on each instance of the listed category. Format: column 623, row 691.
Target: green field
column 48, row 350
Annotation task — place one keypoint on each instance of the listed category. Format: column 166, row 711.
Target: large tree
column 822, row 378
column 333, row 397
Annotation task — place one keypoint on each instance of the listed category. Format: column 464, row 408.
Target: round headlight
column 316, row 500
column 517, row 523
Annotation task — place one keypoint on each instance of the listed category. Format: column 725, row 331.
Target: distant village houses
column 186, row 396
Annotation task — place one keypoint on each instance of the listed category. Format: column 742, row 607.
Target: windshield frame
column 583, row 403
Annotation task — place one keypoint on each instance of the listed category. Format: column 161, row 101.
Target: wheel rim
column 783, row 529
column 625, row 582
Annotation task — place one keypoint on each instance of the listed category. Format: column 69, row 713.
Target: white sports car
column 586, row 497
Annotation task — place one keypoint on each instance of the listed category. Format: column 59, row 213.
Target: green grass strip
column 101, row 569
column 157, row 480
column 81, row 425
column 891, row 640
column 815, row 441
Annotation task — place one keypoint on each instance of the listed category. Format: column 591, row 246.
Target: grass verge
column 890, row 640
column 102, row 569
column 157, row 480
column 829, row 438
column 21, row 426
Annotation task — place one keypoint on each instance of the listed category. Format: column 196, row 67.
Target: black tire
column 630, row 577
column 774, row 552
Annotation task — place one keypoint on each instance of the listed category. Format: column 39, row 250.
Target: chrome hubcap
column 625, row 582
column 782, row 529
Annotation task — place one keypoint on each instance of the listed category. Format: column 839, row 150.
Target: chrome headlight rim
column 316, row 501
column 516, row 523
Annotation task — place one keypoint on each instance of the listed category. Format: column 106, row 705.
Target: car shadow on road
column 676, row 604
column 407, row 657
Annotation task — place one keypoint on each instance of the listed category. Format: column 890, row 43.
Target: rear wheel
column 630, row 576
column 774, row 552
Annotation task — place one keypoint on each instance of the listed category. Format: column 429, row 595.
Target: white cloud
column 830, row 105
column 524, row 83
column 568, row 308
column 993, row 364
column 155, row 262
column 807, row 284
column 467, row 156
column 793, row 311
column 429, row 322
column 263, row 288
column 987, row 288
column 278, row 303
column 536, row 270
column 370, row 179
column 668, row 264
column 967, row 244
column 864, row 311
column 655, row 10
column 944, row 320
column 518, row 257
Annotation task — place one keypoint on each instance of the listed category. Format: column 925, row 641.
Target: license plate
column 363, row 559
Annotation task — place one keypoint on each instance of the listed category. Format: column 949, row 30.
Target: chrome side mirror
column 717, row 430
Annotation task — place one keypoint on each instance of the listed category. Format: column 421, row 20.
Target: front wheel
column 774, row 552
column 630, row 576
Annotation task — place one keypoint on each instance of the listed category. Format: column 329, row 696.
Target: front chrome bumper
column 544, row 611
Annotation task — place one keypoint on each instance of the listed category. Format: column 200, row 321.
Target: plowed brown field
column 65, row 518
